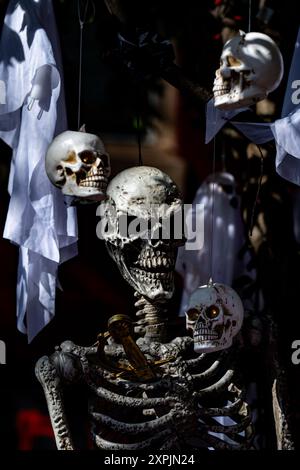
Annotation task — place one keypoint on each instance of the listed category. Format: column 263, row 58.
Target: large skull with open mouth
column 251, row 66
column 77, row 163
column 215, row 315
column 141, row 206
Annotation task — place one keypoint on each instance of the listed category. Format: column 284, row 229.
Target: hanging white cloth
column 287, row 129
column 292, row 94
column 32, row 112
column 216, row 119
column 218, row 257
column 286, row 133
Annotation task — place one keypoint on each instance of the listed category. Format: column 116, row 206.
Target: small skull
column 146, row 259
column 77, row 163
column 251, row 66
column 215, row 315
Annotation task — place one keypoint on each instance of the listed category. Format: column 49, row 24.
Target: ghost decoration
column 215, row 213
column 78, row 164
column 215, row 315
column 251, row 66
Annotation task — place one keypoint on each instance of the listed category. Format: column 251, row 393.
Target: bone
column 218, row 386
column 195, row 363
column 217, row 317
column 174, row 415
column 78, row 164
column 241, row 80
column 129, row 402
column 132, row 192
column 107, row 445
column 136, row 428
column 170, row 443
column 48, row 378
column 208, row 373
column 227, row 410
column 228, row 429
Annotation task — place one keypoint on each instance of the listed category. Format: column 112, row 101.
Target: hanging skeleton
column 149, row 392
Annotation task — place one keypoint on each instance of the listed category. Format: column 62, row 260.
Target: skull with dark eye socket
column 140, row 201
column 214, row 315
column 251, row 66
column 78, row 164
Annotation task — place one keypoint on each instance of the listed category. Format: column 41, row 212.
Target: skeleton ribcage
column 192, row 403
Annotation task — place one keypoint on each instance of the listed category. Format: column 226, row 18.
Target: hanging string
column 249, row 16
column 139, row 138
column 258, row 190
column 212, row 212
column 139, row 119
column 82, row 22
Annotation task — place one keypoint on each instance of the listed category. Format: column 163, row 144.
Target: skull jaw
column 206, row 346
column 71, row 188
column 210, row 339
column 237, row 99
column 155, row 290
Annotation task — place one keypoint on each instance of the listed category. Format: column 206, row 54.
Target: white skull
column 215, row 315
column 77, row 163
column 251, row 66
column 146, row 259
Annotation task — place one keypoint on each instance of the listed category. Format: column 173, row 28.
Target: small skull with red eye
column 215, row 315
column 78, row 164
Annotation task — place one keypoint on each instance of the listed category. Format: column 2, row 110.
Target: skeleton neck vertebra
column 151, row 319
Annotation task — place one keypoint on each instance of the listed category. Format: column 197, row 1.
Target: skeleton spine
column 151, row 320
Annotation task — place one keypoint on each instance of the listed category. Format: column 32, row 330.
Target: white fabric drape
column 257, row 132
column 285, row 131
column 32, row 112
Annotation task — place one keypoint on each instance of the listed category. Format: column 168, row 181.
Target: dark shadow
column 11, row 47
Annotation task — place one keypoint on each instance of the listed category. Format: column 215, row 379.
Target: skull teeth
column 198, row 338
column 96, row 181
column 153, row 280
column 141, row 273
column 221, row 90
column 203, row 334
column 156, row 263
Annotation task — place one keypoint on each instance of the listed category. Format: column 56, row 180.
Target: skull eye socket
column 59, row 167
column 233, row 61
column 88, row 157
column 212, row 312
column 192, row 314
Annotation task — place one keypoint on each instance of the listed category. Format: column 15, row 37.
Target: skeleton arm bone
column 49, row 378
